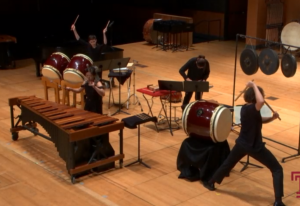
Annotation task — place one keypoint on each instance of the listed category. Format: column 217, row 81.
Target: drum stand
column 136, row 99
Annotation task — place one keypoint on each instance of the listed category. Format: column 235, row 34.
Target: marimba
column 81, row 137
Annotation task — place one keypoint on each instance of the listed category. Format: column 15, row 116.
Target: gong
column 268, row 61
column 288, row 65
column 249, row 61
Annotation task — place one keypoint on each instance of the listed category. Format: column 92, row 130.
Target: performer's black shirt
column 194, row 73
column 93, row 53
column 250, row 135
column 93, row 101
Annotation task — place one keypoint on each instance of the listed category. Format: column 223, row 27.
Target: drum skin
column 55, row 65
column 148, row 33
column 206, row 120
column 290, row 35
column 76, row 69
column 175, row 97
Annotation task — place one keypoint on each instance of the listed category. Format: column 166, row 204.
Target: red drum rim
column 62, row 54
column 53, row 70
column 84, row 56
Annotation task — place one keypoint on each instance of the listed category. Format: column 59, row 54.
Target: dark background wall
column 35, row 21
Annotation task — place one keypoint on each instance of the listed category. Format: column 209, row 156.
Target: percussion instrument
column 75, row 71
column 81, row 137
column 207, row 120
column 290, row 35
column 149, row 34
column 175, row 97
column 123, row 69
column 55, row 65
column 249, row 61
column 268, row 61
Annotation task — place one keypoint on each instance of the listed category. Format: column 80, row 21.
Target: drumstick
column 76, row 19
column 271, row 109
column 107, row 24
column 242, row 92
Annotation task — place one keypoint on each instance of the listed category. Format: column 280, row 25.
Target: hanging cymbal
column 268, row 61
column 288, row 65
column 249, row 61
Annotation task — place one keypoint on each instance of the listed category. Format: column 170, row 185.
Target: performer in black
column 198, row 70
column 250, row 143
column 94, row 91
column 93, row 49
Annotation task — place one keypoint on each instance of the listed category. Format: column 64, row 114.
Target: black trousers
column 188, row 96
column 264, row 156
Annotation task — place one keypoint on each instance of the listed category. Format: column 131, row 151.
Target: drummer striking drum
column 198, row 70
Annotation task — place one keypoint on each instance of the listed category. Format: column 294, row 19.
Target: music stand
column 194, row 86
column 119, row 63
column 171, row 86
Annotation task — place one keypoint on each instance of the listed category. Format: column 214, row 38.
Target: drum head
column 290, row 35
column 288, row 65
column 51, row 73
column 73, row 76
column 220, row 124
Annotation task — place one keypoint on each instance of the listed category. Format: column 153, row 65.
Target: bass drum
column 290, row 35
column 55, row 65
column 207, row 120
column 149, row 34
column 76, row 69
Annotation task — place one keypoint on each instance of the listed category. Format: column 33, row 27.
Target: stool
column 55, row 84
column 134, row 122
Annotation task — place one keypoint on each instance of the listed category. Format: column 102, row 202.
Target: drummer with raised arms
column 93, row 49
column 198, row 70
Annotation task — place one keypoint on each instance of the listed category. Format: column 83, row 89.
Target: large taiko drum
column 149, row 34
column 290, row 35
column 207, row 120
column 175, row 97
column 76, row 69
column 55, row 65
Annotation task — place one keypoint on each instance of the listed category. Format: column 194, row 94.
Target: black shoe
column 209, row 186
column 276, row 203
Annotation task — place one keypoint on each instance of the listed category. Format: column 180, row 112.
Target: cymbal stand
column 136, row 99
column 120, row 104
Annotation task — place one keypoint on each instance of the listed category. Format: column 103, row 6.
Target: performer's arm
column 270, row 119
column 207, row 71
column 73, row 28
column 99, row 89
column 183, row 69
column 260, row 101
column 76, row 90
column 104, row 36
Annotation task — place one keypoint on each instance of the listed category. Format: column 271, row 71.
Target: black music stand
column 103, row 66
column 171, row 86
column 119, row 63
column 195, row 86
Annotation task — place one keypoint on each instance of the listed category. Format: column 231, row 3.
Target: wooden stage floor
column 31, row 173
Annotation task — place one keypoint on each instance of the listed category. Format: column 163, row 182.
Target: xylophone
column 81, row 137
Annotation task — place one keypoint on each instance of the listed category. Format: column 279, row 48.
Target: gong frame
column 234, row 81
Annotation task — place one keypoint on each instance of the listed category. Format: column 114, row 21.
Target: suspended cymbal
column 249, row 61
column 268, row 61
column 288, row 65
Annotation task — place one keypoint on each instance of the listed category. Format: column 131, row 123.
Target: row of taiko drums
column 60, row 66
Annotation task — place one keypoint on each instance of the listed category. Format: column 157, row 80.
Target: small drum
column 55, row 65
column 207, row 120
column 175, row 97
column 290, row 35
column 149, row 34
column 75, row 70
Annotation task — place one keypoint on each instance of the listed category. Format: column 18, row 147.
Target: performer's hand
column 73, row 27
column 275, row 115
column 104, row 30
column 188, row 79
column 250, row 84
